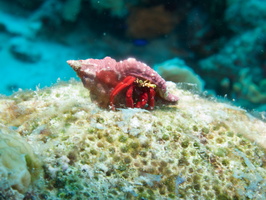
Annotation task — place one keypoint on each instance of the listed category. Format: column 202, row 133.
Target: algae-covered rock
column 199, row 149
column 19, row 166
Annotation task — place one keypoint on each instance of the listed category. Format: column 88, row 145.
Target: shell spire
column 108, row 79
column 75, row 64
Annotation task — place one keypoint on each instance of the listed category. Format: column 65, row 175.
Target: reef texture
column 177, row 71
column 234, row 59
column 200, row 149
column 150, row 23
column 243, row 15
column 19, row 166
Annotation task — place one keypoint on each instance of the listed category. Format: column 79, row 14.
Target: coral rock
column 203, row 149
column 152, row 22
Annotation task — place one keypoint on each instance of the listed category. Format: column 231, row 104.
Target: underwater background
column 217, row 45
column 57, row 142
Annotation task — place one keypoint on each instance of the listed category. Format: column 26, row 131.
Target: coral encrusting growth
column 19, row 166
column 200, row 149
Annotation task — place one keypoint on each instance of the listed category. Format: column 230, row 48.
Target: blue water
column 223, row 43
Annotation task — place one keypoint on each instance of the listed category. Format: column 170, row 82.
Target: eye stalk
column 145, row 83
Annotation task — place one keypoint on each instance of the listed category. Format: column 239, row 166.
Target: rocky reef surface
column 62, row 146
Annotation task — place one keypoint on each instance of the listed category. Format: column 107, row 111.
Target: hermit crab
column 127, row 83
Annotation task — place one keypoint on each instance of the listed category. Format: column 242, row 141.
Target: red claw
column 108, row 80
column 120, row 86
column 138, row 93
column 152, row 94
column 129, row 97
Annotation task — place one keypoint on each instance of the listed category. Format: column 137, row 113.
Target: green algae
column 201, row 148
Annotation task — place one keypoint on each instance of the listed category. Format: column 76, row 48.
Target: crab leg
column 129, row 94
column 147, row 97
column 119, row 87
column 143, row 100
column 152, row 94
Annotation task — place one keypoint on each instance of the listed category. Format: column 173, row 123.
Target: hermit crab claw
column 127, row 83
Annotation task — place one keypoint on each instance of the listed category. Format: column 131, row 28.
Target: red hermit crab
column 127, row 83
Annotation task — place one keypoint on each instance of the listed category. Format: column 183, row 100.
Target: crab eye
column 145, row 83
